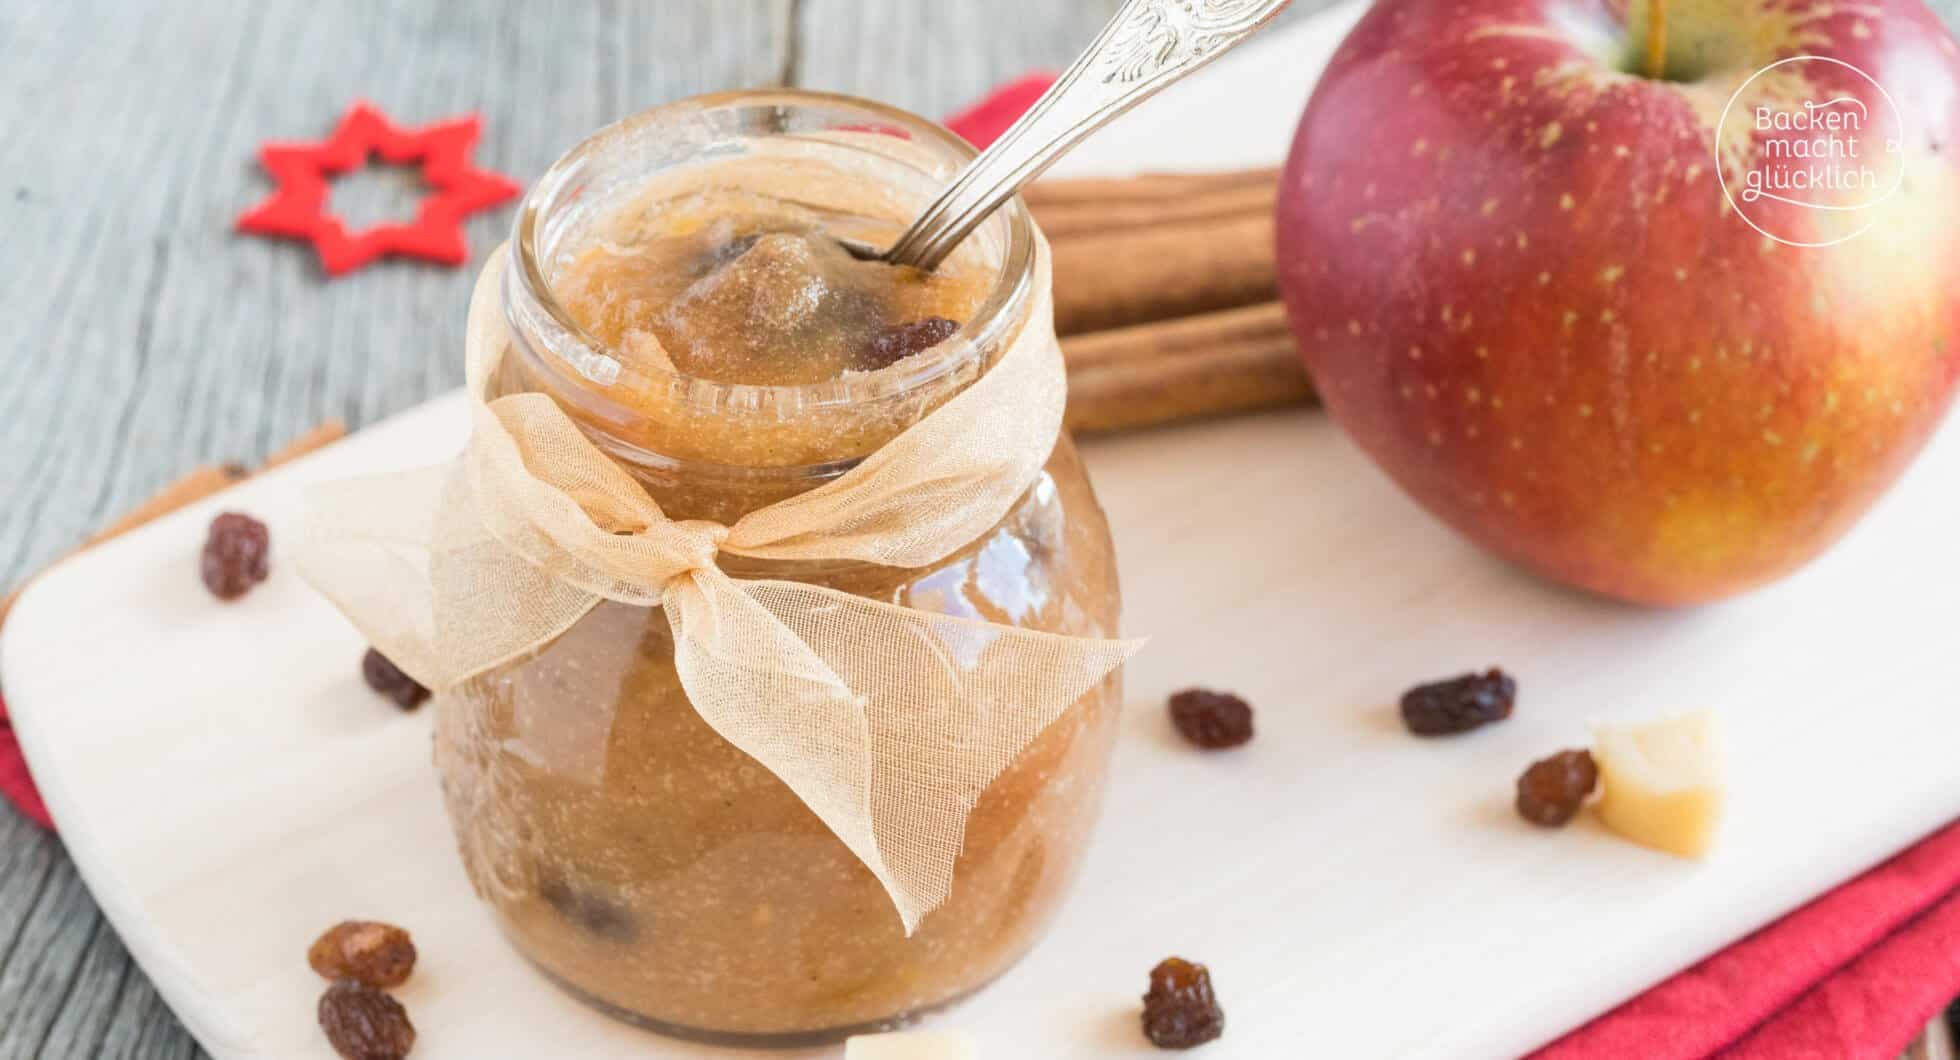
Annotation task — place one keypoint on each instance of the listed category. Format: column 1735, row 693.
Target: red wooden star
column 298, row 208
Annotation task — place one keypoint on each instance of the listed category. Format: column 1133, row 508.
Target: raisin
column 1459, row 704
column 1211, row 719
column 235, row 555
column 386, row 678
column 896, row 342
column 363, row 1023
column 377, row 954
column 1180, row 1011
column 595, row 913
column 1552, row 790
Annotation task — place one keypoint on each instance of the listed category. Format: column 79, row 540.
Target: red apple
column 1521, row 286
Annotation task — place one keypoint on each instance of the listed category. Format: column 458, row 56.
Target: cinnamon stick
column 1148, row 187
column 1060, row 220
column 1136, row 275
column 318, row 438
column 191, row 488
column 1165, row 293
column 1234, row 360
column 194, row 486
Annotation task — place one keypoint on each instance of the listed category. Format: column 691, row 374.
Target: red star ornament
column 298, row 208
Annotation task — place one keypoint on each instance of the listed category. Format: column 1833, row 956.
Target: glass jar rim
column 990, row 328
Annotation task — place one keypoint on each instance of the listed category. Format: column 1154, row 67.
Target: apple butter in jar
column 677, row 286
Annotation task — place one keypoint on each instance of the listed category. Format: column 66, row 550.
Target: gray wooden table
column 145, row 339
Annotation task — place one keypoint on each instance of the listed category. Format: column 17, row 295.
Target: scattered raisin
column 1211, row 719
column 1459, row 704
column 363, row 1023
column 235, row 555
column 1552, row 790
column 595, row 913
column 374, row 953
column 1180, row 1011
column 386, row 678
column 896, row 342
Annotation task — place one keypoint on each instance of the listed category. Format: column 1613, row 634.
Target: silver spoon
column 1147, row 46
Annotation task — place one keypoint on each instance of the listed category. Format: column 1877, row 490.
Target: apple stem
column 1656, row 38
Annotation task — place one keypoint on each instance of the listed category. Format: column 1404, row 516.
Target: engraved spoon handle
column 1148, row 45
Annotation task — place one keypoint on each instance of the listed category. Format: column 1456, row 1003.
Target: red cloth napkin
column 1855, row 974
column 16, row 783
column 983, row 122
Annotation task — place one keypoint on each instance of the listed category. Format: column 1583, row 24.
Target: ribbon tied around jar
column 887, row 722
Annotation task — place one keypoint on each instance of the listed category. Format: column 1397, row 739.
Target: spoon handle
column 1148, row 45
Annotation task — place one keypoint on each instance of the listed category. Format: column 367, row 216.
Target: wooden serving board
column 228, row 786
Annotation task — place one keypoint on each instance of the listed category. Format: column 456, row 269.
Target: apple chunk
column 1661, row 782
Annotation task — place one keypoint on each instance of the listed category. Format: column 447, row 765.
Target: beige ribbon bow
column 887, row 722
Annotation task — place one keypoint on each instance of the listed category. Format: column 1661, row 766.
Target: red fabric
column 1855, row 974
column 983, row 122
column 16, row 783
column 1875, row 1005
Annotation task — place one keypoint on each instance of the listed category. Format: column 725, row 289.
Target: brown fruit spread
column 733, row 288
column 627, row 849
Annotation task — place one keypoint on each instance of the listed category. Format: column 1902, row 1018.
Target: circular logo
column 1806, row 165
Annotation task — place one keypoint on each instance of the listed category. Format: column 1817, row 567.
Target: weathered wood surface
column 143, row 338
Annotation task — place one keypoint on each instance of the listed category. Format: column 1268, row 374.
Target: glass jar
column 641, row 861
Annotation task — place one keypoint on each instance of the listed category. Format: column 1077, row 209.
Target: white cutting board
column 229, row 787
